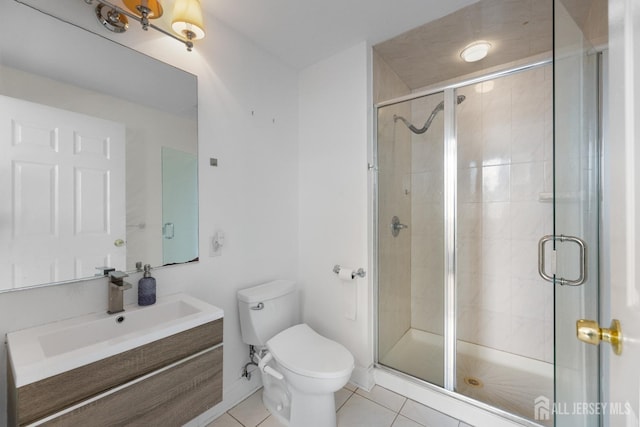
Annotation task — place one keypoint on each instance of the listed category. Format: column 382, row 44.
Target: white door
column 62, row 186
column 624, row 174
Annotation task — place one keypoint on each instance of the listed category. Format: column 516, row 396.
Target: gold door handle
column 590, row 332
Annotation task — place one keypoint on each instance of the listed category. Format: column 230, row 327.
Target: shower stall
column 477, row 176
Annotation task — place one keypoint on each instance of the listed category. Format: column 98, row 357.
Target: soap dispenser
column 147, row 288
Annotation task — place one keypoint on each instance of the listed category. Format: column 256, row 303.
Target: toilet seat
column 303, row 351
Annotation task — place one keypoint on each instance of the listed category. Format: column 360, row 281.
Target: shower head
column 439, row 107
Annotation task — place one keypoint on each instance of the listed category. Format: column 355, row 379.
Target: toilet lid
column 303, row 351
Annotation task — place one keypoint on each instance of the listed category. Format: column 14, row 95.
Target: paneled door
column 62, row 186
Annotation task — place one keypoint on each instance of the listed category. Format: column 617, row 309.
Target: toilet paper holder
column 360, row 272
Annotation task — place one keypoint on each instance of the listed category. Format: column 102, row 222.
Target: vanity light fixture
column 187, row 20
column 475, row 51
column 145, row 10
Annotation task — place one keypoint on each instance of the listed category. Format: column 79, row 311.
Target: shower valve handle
column 396, row 226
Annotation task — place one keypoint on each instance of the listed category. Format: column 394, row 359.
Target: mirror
column 99, row 154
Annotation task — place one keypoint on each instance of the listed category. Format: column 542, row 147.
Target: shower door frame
column 450, row 214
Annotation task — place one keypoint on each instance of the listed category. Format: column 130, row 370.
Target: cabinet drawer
column 170, row 397
column 42, row 398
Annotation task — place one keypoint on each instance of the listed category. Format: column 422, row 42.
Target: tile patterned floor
column 356, row 408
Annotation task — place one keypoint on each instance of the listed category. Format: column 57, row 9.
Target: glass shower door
column 410, row 211
column 504, row 309
column 576, row 213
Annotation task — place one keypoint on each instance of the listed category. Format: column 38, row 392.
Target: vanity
column 160, row 362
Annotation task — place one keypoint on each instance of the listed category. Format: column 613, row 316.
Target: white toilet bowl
column 314, row 368
column 301, row 370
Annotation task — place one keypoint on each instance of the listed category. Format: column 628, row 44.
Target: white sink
column 51, row 349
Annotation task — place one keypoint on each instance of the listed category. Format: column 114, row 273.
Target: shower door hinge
column 371, row 166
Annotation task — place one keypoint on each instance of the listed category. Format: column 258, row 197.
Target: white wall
column 334, row 130
column 252, row 195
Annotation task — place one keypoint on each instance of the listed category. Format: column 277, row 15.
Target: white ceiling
column 302, row 32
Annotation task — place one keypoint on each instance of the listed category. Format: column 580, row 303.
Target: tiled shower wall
column 504, row 130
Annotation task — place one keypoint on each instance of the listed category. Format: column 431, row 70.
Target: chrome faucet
column 117, row 286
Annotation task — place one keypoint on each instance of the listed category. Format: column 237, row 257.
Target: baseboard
column 363, row 377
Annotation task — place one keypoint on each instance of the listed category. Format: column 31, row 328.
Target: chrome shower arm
column 432, row 116
column 424, row 128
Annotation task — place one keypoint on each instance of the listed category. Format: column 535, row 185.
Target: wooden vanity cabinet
column 169, row 381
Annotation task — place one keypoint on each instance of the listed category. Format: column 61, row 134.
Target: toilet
column 301, row 370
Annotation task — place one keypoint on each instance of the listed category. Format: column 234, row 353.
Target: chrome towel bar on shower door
column 583, row 260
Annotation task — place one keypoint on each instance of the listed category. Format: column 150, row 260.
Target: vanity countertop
column 44, row 351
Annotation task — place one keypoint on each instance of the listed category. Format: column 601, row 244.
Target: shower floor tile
column 504, row 380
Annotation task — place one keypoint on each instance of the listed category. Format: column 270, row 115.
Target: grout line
column 379, row 404
column 263, row 421
column 406, row 399
column 239, row 422
column 408, row 417
column 346, row 400
column 269, row 414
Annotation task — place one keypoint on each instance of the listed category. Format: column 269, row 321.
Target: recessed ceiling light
column 475, row 51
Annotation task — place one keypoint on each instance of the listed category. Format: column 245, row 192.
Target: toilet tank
column 266, row 310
